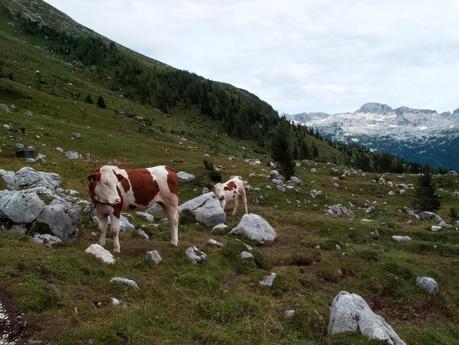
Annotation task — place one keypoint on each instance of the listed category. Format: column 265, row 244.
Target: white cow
column 230, row 192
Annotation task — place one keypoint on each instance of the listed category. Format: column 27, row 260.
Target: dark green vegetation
column 220, row 301
column 425, row 196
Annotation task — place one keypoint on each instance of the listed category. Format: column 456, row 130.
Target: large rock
column 63, row 219
column 427, row 215
column 27, row 177
column 428, row 284
column 20, row 206
column 100, row 253
column 340, row 211
column 255, row 228
column 206, row 209
column 185, row 177
column 350, row 313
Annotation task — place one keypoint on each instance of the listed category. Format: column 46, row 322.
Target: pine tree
column 88, row 99
column 281, row 150
column 315, row 151
column 425, row 197
column 101, row 102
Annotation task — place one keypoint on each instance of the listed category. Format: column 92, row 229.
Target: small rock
column 246, row 255
column 215, row 243
column 147, row 216
column 340, row 211
column 268, row 280
column 398, row 238
column 428, row 284
column 153, row 256
column 220, row 228
column 435, row 228
column 72, row 155
column 205, row 190
column 46, row 239
column 185, row 177
column 100, row 253
column 195, row 255
column 289, row 313
column 124, row 281
column 143, row 234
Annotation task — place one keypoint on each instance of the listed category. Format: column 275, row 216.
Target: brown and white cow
column 230, row 192
column 114, row 190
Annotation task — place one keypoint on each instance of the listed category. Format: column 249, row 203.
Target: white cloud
column 299, row 55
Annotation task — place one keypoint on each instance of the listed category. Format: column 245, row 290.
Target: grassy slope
column 218, row 302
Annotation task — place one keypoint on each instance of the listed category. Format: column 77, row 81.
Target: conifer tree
column 281, row 150
column 425, row 197
column 101, row 102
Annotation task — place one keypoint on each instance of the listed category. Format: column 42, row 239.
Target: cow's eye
column 106, row 183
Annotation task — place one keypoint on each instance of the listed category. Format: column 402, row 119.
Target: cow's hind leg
column 244, row 200
column 115, row 232
column 236, row 205
column 172, row 215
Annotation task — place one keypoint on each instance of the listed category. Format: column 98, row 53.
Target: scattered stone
column 20, row 206
column 205, row 190
column 340, row 211
column 100, row 253
column 60, row 149
column 255, row 228
column 350, row 313
column 280, row 188
column 115, row 302
column 72, row 155
column 315, row 193
column 125, row 225
column 141, row 232
column 147, row 216
column 215, row 243
column 370, row 209
column 46, row 239
column 124, row 281
column 428, row 284
column 275, row 175
column 398, row 238
column 435, row 228
column 62, row 218
column 289, row 313
column 268, row 280
column 313, row 170
column 153, row 256
column 195, row 255
column 76, row 135
column 27, row 177
column 295, row 180
column 206, row 209
column 391, row 193
column 254, row 162
column 246, row 255
column 185, row 177
column 220, row 229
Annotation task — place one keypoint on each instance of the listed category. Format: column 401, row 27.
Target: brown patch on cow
column 143, row 185
column 117, row 208
column 93, row 179
column 124, row 181
column 172, row 180
column 230, row 186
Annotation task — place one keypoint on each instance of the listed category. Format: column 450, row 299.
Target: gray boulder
column 427, row 215
column 428, row 284
column 255, row 228
column 350, row 313
column 27, row 177
column 20, row 206
column 63, row 219
column 206, row 209
column 46, row 239
column 185, row 177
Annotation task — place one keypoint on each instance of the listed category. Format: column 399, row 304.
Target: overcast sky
column 298, row 55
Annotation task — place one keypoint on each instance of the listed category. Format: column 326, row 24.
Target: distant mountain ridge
column 420, row 135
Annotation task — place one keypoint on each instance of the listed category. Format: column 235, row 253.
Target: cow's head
column 219, row 191
column 103, row 186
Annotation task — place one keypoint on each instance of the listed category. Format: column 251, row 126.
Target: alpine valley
column 418, row 135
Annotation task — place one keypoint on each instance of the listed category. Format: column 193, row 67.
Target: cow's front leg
column 236, row 205
column 115, row 232
column 102, row 221
column 244, row 201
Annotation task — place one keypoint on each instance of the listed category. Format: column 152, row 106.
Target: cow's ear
column 94, row 177
column 118, row 176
